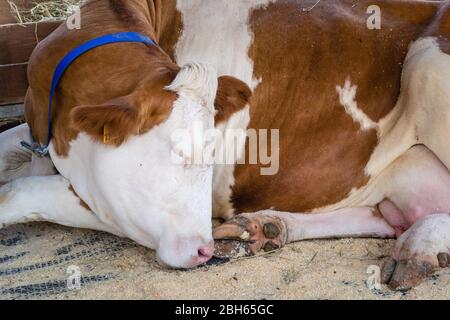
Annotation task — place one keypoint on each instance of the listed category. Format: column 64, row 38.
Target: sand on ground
column 37, row 259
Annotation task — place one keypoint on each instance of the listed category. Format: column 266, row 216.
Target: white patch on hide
column 347, row 98
column 420, row 116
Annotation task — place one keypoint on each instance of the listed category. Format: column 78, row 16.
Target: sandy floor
column 34, row 259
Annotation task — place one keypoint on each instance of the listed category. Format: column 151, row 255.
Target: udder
column 418, row 184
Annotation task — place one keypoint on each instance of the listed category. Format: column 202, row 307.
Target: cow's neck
column 121, row 80
column 224, row 43
column 166, row 22
column 154, row 17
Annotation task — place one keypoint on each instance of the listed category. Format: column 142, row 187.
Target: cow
column 115, row 109
column 363, row 113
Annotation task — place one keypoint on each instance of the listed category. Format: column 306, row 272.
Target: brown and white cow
column 363, row 118
column 115, row 110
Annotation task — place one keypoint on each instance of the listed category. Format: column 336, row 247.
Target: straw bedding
column 43, row 11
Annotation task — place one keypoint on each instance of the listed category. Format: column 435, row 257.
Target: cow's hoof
column 420, row 251
column 405, row 274
column 247, row 234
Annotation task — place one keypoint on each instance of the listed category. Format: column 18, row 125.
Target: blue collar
column 64, row 64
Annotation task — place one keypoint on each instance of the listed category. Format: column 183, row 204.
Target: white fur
column 347, row 98
column 138, row 190
column 218, row 32
column 196, row 81
column 422, row 113
column 348, row 222
column 425, row 239
column 41, row 166
column 45, row 199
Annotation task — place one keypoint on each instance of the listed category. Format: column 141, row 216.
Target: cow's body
column 295, row 62
column 364, row 117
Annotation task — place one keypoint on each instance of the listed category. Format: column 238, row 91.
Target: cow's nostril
column 205, row 253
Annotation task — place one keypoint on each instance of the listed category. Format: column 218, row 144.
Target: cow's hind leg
column 248, row 233
column 419, row 252
column 45, row 198
column 417, row 191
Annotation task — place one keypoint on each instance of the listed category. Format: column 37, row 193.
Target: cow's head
column 140, row 182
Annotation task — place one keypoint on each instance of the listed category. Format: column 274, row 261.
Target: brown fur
column 232, row 96
column 122, row 11
column 301, row 58
column 82, row 203
column 134, row 14
column 104, row 74
column 377, row 212
column 170, row 27
column 120, row 119
column 124, row 116
column 120, row 86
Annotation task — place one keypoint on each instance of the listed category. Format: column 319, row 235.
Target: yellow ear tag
column 105, row 135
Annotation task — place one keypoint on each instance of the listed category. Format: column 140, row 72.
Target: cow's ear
column 232, row 96
column 109, row 123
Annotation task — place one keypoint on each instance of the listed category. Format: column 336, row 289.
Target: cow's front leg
column 15, row 161
column 248, row 233
column 419, row 252
column 46, row 198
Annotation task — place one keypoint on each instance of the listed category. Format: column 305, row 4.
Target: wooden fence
column 17, row 42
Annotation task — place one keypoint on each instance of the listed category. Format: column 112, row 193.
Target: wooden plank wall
column 5, row 16
column 17, row 42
